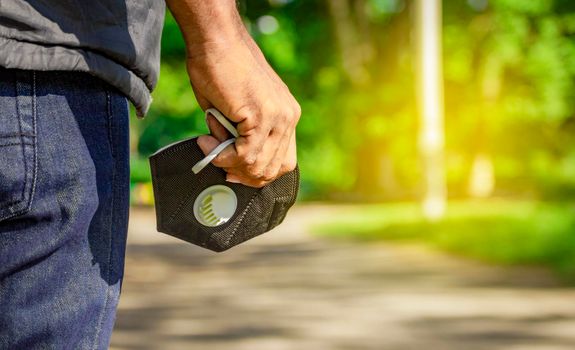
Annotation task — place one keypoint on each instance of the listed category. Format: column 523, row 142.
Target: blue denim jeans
column 64, row 198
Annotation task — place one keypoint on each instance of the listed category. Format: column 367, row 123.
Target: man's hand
column 228, row 71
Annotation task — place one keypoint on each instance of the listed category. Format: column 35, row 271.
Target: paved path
column 288, row 290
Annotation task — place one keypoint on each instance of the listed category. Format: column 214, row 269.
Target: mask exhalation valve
column 215, row 205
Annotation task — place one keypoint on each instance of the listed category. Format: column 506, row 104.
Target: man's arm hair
column 206, row 22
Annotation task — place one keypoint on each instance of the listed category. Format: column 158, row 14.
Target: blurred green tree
column 509, row 72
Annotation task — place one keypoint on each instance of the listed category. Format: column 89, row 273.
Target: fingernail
column 233, row 179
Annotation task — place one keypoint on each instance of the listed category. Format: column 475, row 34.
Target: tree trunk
column 430, row 91
column 349, row 40
column 481, row 182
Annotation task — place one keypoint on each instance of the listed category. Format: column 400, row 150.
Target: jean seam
column 13, row 136
column 35, row 131
column 16, row 144
column 110, row 121
column 100, row 323
column 23, row 149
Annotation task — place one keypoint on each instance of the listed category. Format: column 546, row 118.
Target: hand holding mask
column 196, row 204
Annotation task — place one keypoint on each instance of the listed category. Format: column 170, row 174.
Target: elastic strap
column 223, row 120
column 199, row 166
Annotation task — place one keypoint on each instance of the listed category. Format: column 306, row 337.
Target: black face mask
column 195, row 203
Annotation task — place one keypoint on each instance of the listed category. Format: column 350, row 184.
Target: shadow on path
column 289, row 290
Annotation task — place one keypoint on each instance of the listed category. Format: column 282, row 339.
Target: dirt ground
column 290, row 290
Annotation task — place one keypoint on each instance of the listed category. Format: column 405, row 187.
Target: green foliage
column 510, row 90
column 506, row 232
column 509, row 80
column 140, row 170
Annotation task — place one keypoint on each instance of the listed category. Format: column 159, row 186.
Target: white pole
column 430, row 91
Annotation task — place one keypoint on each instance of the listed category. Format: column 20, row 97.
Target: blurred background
column 437, row 152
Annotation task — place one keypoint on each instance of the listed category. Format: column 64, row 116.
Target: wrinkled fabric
column 115, row 40
column 64, row 200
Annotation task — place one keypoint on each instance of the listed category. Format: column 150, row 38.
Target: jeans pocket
column 17, row 144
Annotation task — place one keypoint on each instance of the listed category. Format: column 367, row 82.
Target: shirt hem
column 16, row 54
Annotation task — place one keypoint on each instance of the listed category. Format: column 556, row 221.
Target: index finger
column 228, row 158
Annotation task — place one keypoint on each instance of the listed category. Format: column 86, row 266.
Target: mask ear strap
column 199, row 166
column 223, row 120
column 213, row 154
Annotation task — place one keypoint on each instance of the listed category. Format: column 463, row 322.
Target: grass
column 497, row 231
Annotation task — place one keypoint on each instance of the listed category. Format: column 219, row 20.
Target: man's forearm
column 227, row 71
column 206, row 22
